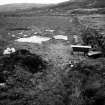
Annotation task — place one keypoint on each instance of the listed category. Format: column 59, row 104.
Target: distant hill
column 20, row 6
column 64, row 8
column 80, row 6
column 74, row 4
column 77, row 6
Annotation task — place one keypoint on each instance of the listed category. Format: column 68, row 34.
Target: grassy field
column 59, row 84
column 96, row 21
column 59, row 23
column 40, row 21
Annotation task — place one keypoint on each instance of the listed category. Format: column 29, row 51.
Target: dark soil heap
column 29, row 62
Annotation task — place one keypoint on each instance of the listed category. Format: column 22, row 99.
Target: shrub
column 94, row 38
column 85, row 84
column 30, row 62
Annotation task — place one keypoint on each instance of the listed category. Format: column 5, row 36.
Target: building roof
column 80, row 46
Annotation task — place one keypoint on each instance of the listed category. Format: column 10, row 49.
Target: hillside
column 66, row 8
column 80, row 6
column 20, row 6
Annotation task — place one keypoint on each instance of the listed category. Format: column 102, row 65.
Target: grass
column 58, row 84
column 39, row 21
column 54, row 22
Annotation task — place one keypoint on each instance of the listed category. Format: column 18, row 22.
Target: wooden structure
column 81, row 48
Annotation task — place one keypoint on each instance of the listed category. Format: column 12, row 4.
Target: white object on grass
column 61, row 37
column 34, row 39
column 9, row 51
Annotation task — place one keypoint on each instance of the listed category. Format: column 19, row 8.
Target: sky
column 2, row 2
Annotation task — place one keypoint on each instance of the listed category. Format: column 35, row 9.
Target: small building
column 75, row 39
column 81, row 48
